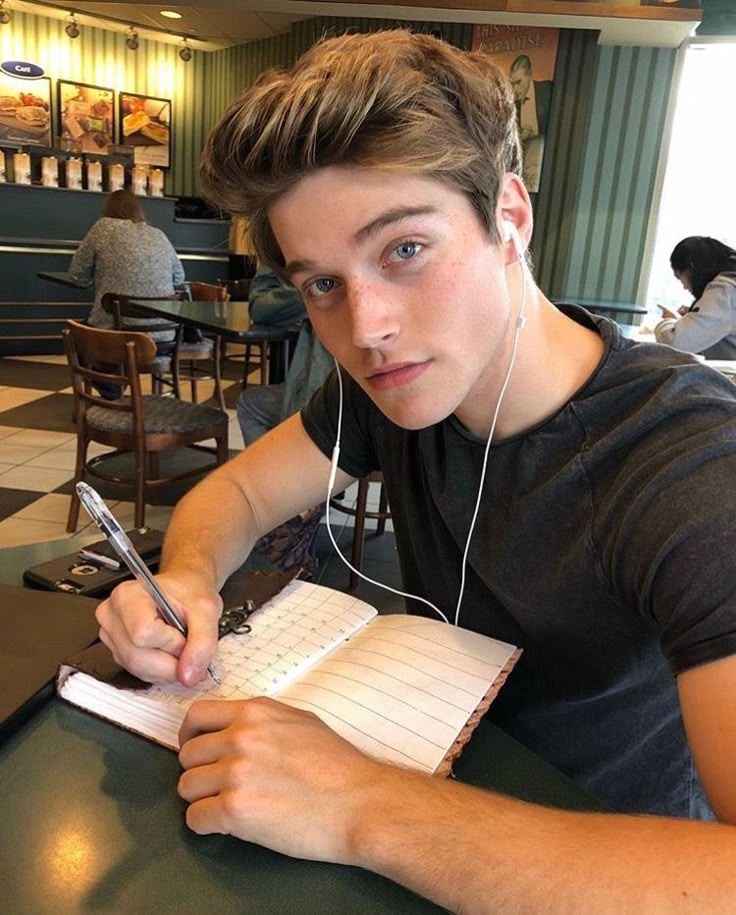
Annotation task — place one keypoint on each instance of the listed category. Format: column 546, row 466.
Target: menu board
column 25, row 106
column 86, row 115
column 145, row 124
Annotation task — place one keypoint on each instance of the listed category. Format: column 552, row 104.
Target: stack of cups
column 22, row 168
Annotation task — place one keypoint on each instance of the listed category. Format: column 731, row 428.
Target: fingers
column 211, row 715
column 201, row 645
column 148, row 647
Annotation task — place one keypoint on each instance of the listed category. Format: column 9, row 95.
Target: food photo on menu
column 86, row 116
column 24, row 111
column 146, row 126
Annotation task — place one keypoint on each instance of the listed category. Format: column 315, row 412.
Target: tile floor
column 37, row 452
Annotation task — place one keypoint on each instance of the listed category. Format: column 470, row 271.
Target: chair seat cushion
column 161, row 415
column 201, row 350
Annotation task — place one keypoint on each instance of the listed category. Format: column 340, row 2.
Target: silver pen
column 110, row 527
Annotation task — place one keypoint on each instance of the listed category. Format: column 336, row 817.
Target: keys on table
column 234, row 621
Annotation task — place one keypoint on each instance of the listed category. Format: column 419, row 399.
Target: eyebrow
column 369, row 231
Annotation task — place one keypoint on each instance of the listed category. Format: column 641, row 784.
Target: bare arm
column 210, row 534
column 273, row 775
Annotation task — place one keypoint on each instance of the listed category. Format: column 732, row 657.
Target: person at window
column 707, row 269
column 381, row 175
column 121, row 253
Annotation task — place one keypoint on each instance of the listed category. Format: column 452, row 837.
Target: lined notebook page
column 403, row 688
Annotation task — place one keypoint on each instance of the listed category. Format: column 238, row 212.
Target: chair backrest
column 109, row 357
column 208, row 292
column 118, row 305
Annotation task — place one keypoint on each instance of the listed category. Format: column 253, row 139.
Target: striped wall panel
column 599, row 179
column 101, row 58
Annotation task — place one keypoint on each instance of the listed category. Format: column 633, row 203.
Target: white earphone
column 512, row 234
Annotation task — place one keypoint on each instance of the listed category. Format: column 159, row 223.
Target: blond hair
column 388, row 100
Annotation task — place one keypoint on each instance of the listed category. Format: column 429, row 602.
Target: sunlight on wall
column 699, row 194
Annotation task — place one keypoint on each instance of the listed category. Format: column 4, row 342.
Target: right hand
column 141, row 642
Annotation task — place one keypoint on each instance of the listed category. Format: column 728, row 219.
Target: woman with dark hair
column 707, row 269
column 121, row 253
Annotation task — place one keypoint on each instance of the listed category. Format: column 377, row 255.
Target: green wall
column 603, row 142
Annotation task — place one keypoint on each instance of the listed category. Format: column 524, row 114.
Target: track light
column 72, row 27
column 4, row 14
column 185, row 52
column 131, row 41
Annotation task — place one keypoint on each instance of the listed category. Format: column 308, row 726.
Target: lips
column 395, row 376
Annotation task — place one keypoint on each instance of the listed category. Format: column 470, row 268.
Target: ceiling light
column 170, row 14
column 131, row 41
column 72, row 27
column 185, row 52
column 4, row 14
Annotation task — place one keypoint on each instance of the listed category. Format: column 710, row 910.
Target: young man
column 381, row 176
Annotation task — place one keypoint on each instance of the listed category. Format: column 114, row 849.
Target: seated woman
column 121, row 253
column 707, row 269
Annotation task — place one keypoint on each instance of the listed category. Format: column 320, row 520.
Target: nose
column 373, row 314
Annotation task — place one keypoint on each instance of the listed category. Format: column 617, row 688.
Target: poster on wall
column 527, row 55
column 86, row 115
column 145, row 124
column 25, row 111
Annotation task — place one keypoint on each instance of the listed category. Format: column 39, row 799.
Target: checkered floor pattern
column 37, row 453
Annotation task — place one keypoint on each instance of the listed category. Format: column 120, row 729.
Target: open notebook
column 402, row 688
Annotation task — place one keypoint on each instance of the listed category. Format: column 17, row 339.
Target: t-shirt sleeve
column 674, row 546
column 319, row 418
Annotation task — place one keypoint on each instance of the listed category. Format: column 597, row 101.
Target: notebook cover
column 38, row 629
column 445, row 767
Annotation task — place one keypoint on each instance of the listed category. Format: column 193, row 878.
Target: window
column 699, row 190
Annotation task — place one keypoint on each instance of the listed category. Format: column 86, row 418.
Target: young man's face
column 403, row 287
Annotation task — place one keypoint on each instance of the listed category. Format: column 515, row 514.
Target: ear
column 514, row 207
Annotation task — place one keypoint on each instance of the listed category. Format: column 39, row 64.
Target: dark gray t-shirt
column 603, row 547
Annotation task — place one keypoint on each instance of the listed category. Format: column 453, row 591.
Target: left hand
column 267, row 773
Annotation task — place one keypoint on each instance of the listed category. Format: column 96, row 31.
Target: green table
column 91, row 822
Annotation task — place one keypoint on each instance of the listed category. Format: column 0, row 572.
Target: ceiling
column 214, row 24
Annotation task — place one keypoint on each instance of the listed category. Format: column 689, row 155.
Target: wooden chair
column 360, row 512
column 183, row 355
column 143, row 425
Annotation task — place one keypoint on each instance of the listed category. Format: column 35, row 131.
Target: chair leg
column 223, row 452
column 73, row 517
column 175, row 377
column 264, row 363
column 140, row 488
column 246, row 360
column 193, row 382
column 216, row 359
column 359, row 531
column 382, row 508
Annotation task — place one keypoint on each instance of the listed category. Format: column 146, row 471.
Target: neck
column 555, row 357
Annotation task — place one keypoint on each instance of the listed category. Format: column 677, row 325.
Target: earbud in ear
column 511, row 234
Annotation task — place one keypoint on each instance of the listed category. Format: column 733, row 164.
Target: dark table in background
column 61, row 277
column 91, row 820
column 621, row 312
column 231, row 320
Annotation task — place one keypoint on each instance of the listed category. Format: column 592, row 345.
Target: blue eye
column 407, row 250
column 320, row 286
